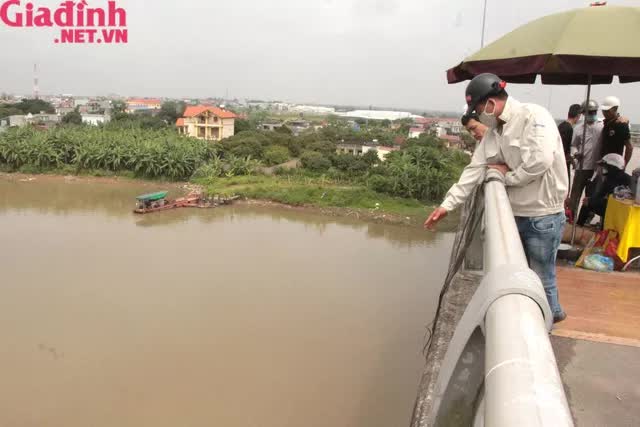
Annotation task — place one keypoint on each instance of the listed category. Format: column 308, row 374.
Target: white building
column 312, row 109
column 95, row 119
column 439, row 131
column 361, row 149
column 80, row 102
column 378, row 115
column 452, row 127
column 382, row 150
column 31, row 119
column 415, row 132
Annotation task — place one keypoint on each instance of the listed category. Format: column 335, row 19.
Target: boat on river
column 155, row 202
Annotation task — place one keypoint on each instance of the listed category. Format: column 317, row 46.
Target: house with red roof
column 206, row 122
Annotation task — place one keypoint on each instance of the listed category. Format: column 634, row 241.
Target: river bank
column 257, row 190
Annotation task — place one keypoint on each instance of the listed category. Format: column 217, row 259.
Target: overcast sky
column 365, row 52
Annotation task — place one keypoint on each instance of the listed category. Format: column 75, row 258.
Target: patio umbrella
column 579, row 47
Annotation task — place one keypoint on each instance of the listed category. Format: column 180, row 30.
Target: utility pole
column 35, row 81
column 484, row 18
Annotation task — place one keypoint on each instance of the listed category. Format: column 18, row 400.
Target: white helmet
column 610, row 102
column 613, row 159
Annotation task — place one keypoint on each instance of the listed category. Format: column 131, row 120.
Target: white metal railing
column 522, row 385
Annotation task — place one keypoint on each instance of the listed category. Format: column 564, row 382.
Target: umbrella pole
column 574, row 208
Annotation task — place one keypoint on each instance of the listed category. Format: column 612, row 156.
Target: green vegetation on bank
column 298, row 190
column 418, row 173
column 145, row 153
column 422, row 169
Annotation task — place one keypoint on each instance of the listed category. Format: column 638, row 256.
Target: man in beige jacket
column 522, row 143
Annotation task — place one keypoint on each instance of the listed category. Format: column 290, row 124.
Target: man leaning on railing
column 523, row 143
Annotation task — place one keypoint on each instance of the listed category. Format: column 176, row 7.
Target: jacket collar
column 511, row 107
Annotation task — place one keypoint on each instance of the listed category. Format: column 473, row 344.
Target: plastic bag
column 623, row 192
column 597, row 262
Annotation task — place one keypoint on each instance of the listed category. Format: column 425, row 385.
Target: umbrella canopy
column 582, row 46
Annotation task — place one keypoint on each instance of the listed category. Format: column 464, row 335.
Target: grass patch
column 299, row 191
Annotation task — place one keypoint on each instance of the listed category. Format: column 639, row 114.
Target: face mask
column 489, row 119
column 592, row 118
column 605, row 171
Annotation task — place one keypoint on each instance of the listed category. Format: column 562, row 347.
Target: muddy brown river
column 236, row 316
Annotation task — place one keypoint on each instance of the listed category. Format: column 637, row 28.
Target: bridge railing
column 504, row 331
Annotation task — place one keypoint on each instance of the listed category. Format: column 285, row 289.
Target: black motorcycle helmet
column 482, row 87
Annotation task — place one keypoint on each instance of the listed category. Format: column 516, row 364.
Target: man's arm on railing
column 472, row 175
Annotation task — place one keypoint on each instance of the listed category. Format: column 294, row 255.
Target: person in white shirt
column 587, row 156
column 523, row 143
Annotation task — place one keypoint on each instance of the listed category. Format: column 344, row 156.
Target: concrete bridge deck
column 602, row 307
column 598, row 347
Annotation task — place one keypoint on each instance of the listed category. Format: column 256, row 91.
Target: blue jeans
column 541, row 237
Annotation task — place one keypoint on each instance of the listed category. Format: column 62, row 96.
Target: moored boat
column 154, row 202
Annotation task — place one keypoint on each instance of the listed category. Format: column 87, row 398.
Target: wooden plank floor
column 603, row 307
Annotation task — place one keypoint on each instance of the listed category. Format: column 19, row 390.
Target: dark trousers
column 580, row 180
column 596, row 206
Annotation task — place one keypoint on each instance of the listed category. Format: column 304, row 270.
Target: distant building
column 439, row 126
column 383, row 151
column 453, row 141
column 79, row 102
column 143, row 105
column 260, row 105
column 360, row 149
column 298, row 126
column 207, row 122
column 64, row 110
column 280, row 106
column 415, row 132
column 439, row 131
column 41, row 120
column 270, row 126
column 95, row 119
column 451, row 126
column 14, row 121
column 312, row 109
column 96, row 106
column 425, row 121
column 353, row 149
column 378, row 115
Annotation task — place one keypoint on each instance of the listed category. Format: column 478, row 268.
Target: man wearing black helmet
column 522, row 143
